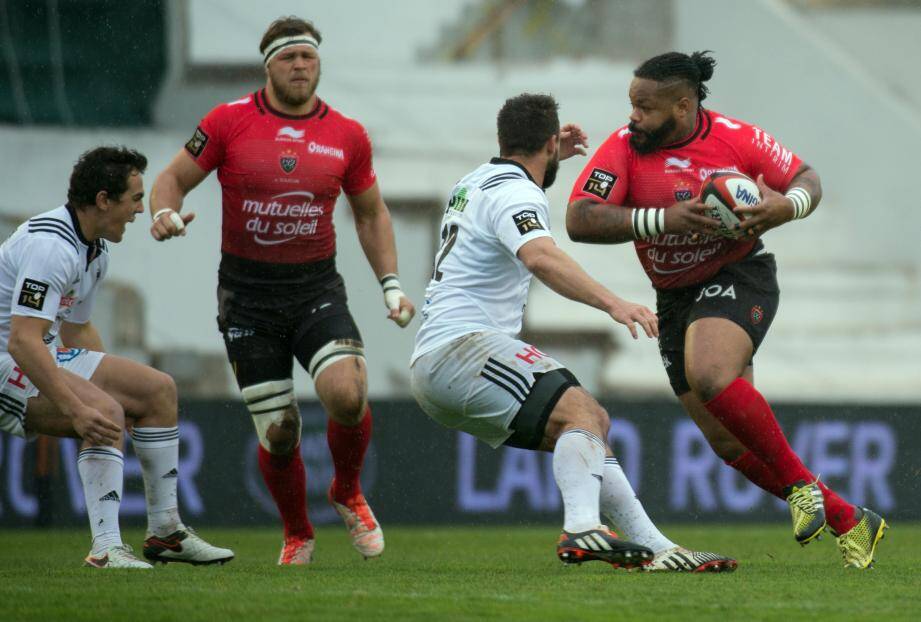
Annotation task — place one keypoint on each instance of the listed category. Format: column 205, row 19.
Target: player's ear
column 102, row 198
column 552, row 144
column 684, row 106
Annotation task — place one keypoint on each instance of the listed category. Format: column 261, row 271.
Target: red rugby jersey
column 617, row 174
column 280, row 176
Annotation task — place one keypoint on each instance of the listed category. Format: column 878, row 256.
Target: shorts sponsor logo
column 333, row 152
column 757, row 314
column 66, row 355
column 666, row 362
column 288, row 161
column 716, row 291
column 600, row 183
column 197, row 143
column 33, row 294
column 234, row 333
column 526, row 221
column 530, row 355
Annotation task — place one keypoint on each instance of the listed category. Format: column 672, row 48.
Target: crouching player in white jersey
column 469, row 372
column 50, row 270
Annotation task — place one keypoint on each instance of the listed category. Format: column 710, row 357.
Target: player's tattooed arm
column 598, row 223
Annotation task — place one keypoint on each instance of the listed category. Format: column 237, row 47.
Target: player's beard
column 289, row 96
column 553, row 165
column 653, row 138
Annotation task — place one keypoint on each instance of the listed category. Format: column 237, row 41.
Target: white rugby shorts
column 16, row 388
column 481, row 382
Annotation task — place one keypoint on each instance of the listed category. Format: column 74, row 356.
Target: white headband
column 281, row 43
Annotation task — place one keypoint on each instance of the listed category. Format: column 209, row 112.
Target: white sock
column 102, row 472
column 158, row 451
column 577, row 467
column 620, row 506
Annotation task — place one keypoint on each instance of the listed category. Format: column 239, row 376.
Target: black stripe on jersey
column 55, row 223
column 325, row 110
column 498, row 180
column 256, row 101
column 58, row 232
column 512, row 371
column 13, row 413
column 502, row 385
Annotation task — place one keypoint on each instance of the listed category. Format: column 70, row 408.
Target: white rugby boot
column 118, row 556
column 186, row 546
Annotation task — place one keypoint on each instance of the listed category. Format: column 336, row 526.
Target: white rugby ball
column 724, row 191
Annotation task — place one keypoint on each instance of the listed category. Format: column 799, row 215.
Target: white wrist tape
column 390, row 283
column 174, row 217
column 648, row 222
column 802, row 201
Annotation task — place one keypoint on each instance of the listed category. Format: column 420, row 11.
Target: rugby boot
column 807, row 507
column 297, row 551
column 680, row 559
column 601, row 544
column 186, row 546
column 119, row 556
column 366, row 533
column 858, row 544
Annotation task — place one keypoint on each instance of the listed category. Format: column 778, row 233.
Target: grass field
column 460, row 574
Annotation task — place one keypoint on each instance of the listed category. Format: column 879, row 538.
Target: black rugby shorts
column 744, row 292
column 264, row 334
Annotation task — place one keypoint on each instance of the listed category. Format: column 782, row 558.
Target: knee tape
column 333, row 352
column 267, row 403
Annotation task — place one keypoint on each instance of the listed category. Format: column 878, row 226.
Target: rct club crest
column 288, row 161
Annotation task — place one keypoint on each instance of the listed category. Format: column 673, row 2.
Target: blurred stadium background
column 834, row 79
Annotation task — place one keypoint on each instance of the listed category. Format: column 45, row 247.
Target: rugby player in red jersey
column 283, row 155
column 716, row 295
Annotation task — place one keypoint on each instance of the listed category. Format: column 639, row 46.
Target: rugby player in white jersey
column 50, row 270
column 471, row 373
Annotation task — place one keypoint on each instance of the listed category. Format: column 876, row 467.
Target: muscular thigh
column 44, row 417
column 128, row 382
column 716, row 321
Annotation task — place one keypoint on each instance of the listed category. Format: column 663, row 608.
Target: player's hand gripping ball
column 724, row 191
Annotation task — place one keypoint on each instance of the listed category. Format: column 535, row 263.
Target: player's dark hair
column 103, row 168
column 526, row 123
column 694, row 69
column 288, row 26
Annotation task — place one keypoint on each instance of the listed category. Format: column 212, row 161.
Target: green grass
column 460, row 574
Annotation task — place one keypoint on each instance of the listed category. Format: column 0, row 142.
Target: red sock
column 757, row 472
column 347, row 446
column 747, row 415
column 286, row 479
column 840, row 514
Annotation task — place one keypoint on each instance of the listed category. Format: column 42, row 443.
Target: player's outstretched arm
column 32, row 356
column 604, row 223
column 168, row 193
column 375, row 234
column 560, row 272
column 802, row 197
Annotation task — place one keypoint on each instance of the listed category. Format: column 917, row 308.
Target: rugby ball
column 724, row 191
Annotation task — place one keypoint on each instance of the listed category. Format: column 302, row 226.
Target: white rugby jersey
column 478, row 281
column 49, row 270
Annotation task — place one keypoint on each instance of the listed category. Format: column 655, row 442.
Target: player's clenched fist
column 168, row 223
